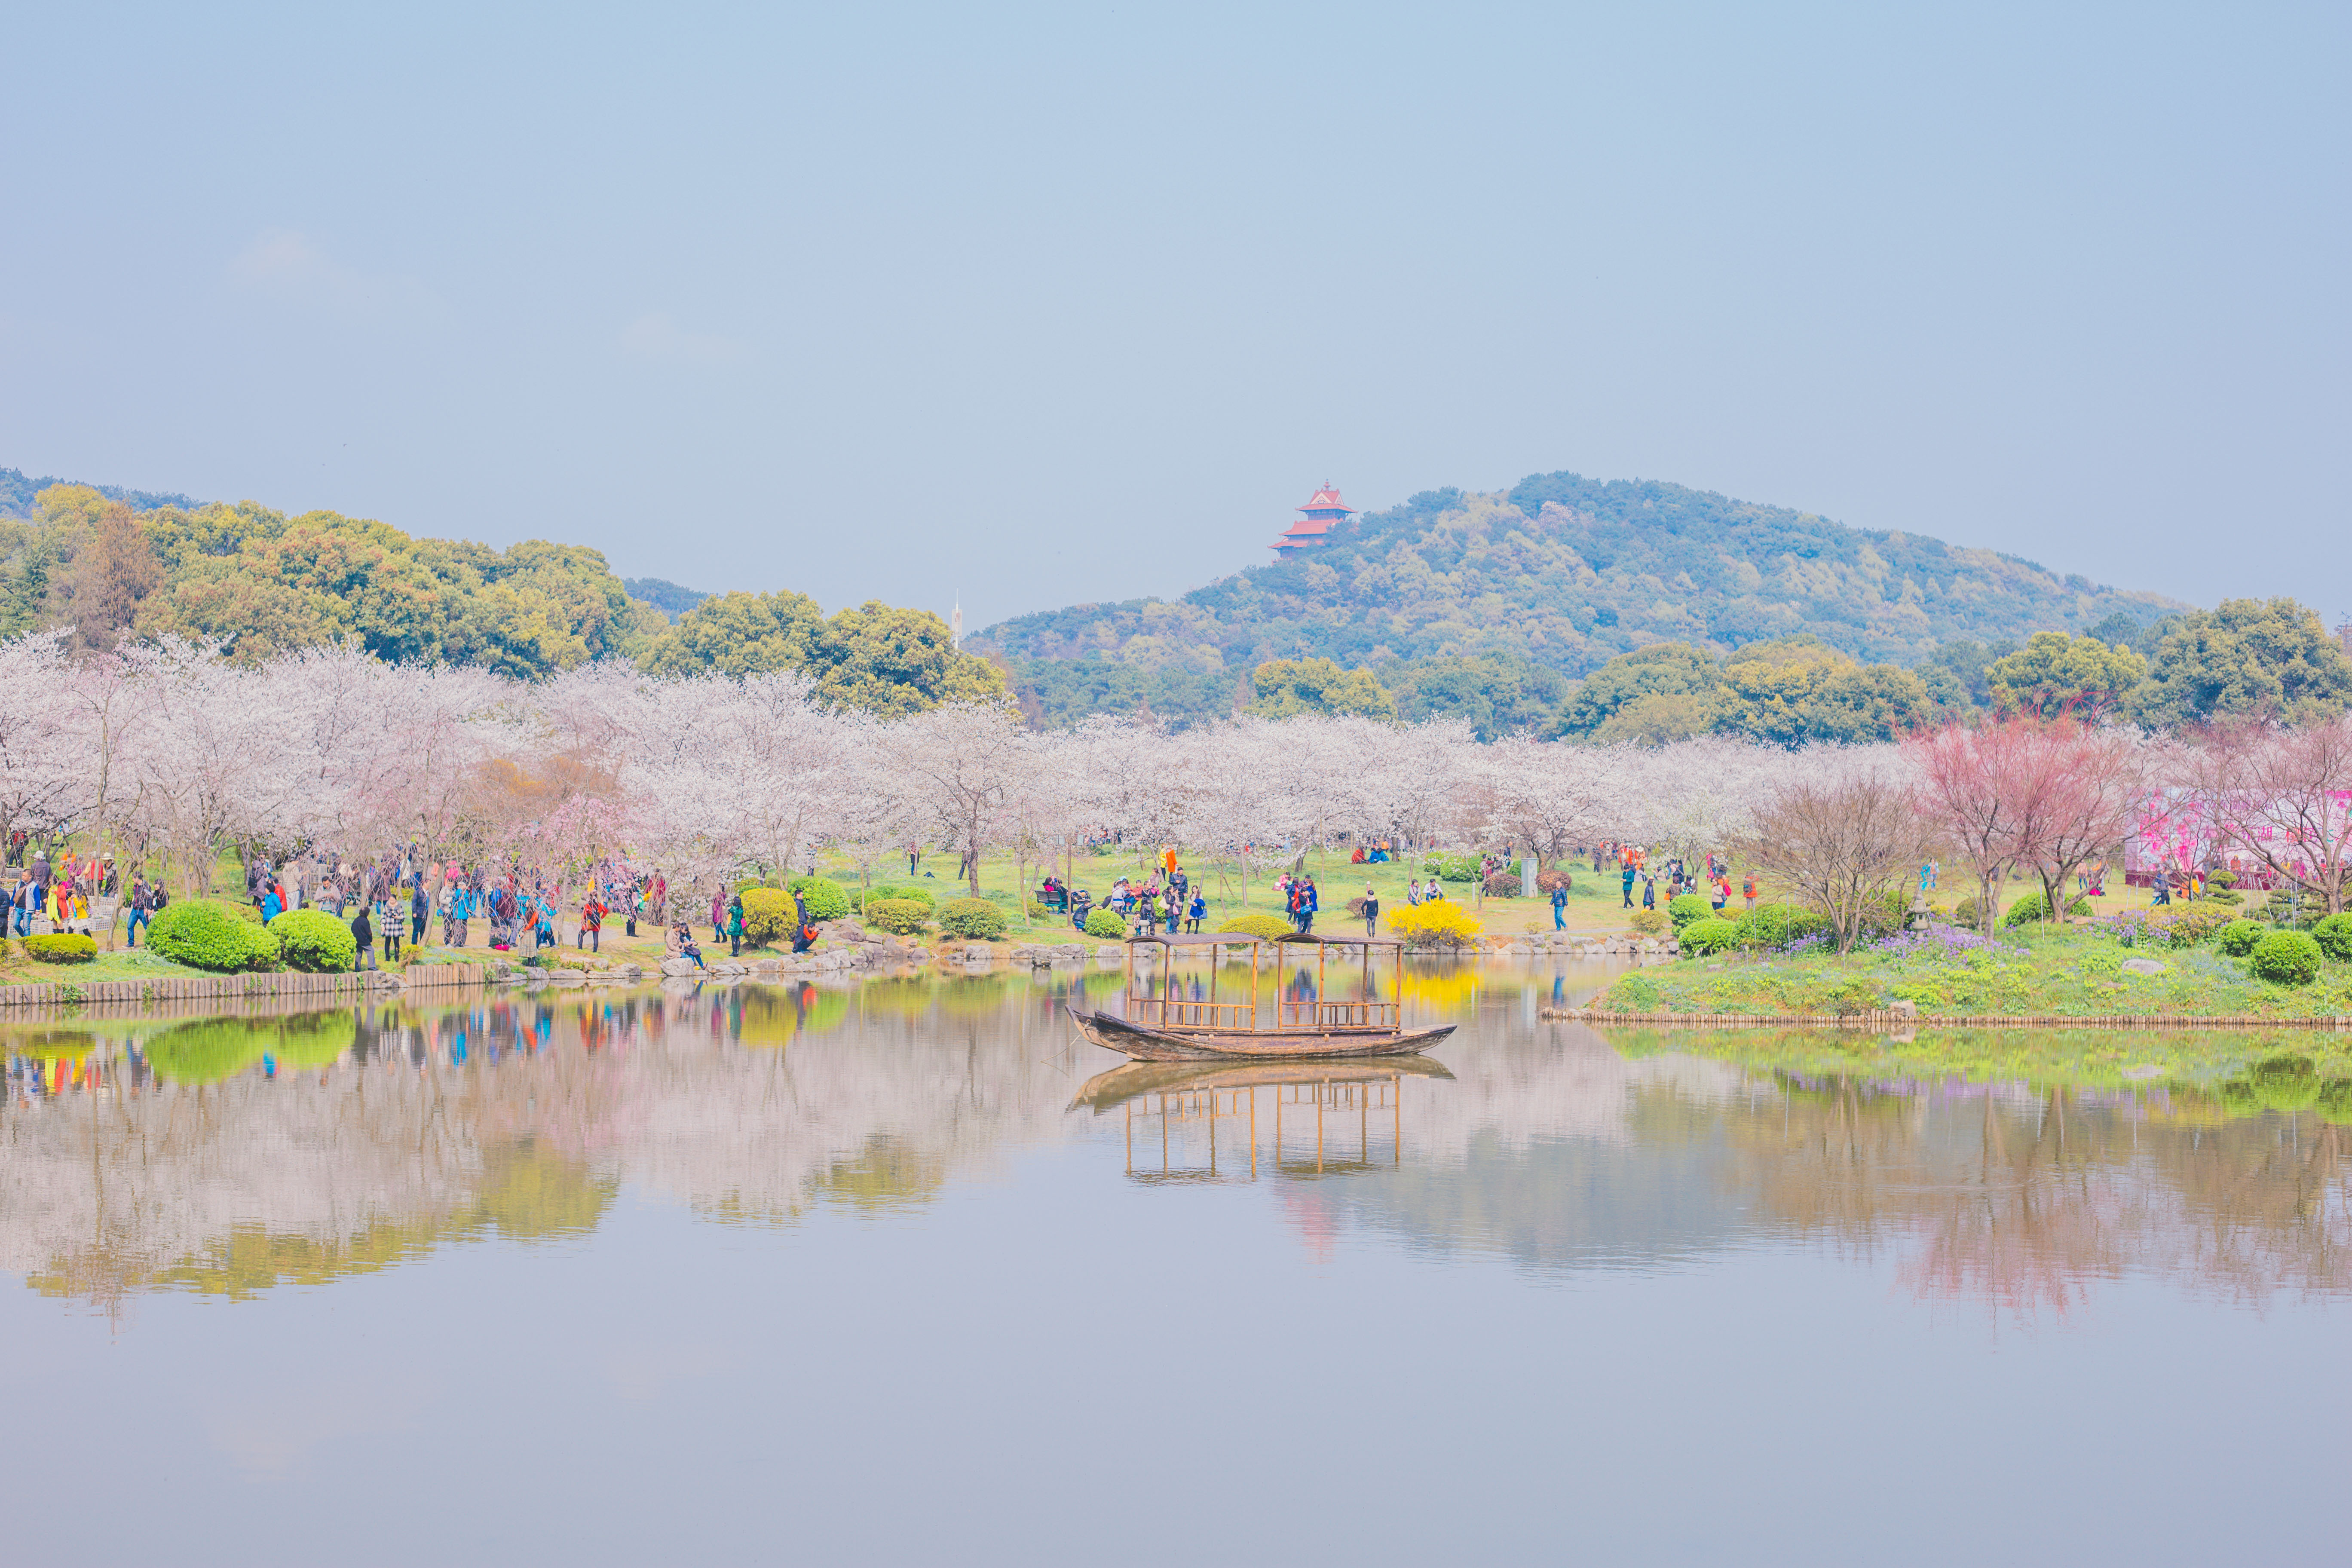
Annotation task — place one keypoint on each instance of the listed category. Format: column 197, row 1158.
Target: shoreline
column 1886, row 1021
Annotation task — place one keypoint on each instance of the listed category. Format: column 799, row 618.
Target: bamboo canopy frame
column 1238, row 1017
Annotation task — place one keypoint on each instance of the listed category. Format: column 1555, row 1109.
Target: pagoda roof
column 1315, row 527
column 1327, row 500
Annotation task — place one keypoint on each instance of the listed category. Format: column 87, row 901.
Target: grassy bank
column 2226, row 1072
column 2065, row 971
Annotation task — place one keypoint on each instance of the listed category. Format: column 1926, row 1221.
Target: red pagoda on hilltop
column 1324, row 511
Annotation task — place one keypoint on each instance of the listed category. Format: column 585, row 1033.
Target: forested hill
column 17, row 493
column 1560, row 570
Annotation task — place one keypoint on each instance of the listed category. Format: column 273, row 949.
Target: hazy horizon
column 1044, row 306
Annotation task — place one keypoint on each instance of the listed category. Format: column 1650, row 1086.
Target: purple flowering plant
column 1937, row 941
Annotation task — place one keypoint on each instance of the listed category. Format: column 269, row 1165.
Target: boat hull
column 1109, row 1090
column 1141, row 1044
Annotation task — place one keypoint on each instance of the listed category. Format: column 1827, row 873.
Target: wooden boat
column 1106, row 1091
column 1166, row 1029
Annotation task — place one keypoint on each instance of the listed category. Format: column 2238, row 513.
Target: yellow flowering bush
column 1441, row 924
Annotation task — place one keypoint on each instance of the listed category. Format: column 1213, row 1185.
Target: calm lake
column 892, row 1273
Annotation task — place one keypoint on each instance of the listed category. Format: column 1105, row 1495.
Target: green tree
column 740, row 633
column 873, row 657
column 2054, row 674
column 1288, row 686
column 1797, row 688
column 2246, row 657
column 889, row 662
column 1662, row 670
column 263, row 584
column 1495, row 693
column 1656, row 718
column 1967, row 663
column 113, row 573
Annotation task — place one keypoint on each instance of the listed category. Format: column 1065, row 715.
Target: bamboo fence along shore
column 1882, row 1020
column 213, row 990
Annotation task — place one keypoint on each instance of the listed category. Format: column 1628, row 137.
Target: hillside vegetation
column 1559, row 573
column 258, row 583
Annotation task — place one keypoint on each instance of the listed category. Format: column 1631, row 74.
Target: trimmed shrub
column 824, row 898
column 1451, row 867
column 64, row 947
column 1252, row 925
column 1547, row 880
column 2034, row 907
column 250, row 914
column 2286, row 958
column 896, row 893
column 767, row 915
column 205, row 933
column 2238, row 938
column 1503, row 885
column 1442, row 924
column 1649, row 922
column 1777, row 925
column 1684, row 907
column 1710, row 935
column 1105, row 925
column 974, row 920
column 2333, row 935
column 900, row 917
column 314, row 940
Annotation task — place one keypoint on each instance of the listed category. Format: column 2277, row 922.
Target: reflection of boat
column 1107, row 1090
column 1169, row 1028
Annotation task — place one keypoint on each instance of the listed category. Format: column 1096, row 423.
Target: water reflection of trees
column 167, row 1155
column 242, row 1156
column 2023, row 1199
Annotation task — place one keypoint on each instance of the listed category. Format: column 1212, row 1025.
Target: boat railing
column 1170, row 1013
column 1335, row 1015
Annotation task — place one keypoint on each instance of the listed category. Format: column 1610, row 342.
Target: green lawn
column 1594, row 906
column 2067, row 972
column 2212, row 1074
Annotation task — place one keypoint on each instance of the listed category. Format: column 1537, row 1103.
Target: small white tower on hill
column 955, row 626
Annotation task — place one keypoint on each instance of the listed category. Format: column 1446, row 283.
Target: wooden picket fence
column 167, row 990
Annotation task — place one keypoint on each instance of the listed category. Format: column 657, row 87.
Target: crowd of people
column 1164, row 900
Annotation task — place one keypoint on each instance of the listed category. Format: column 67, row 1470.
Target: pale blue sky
column 1042, row 304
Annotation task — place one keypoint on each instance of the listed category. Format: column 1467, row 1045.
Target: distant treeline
column 258, row 583
column 2247, row 659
